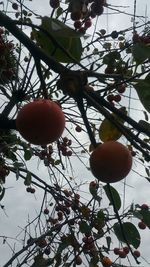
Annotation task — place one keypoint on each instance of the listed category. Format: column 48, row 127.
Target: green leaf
column 130, row 232
column 108, row 240
column 60, row 36
column 145, row 217
column 140, row 52
column 143, row 91
column 84, row 227
column 100, row 216
column 115, row 195
column 58, row 259
column 28, row 179
column 27, row 155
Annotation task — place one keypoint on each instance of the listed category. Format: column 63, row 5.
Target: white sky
column 19, row 204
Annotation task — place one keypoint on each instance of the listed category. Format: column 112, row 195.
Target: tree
column 92, row 77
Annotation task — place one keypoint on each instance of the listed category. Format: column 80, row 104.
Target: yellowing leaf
column 108, row 131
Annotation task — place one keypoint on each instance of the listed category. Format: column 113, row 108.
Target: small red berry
column 47, row 251
column 117, row 98
column 78, row 129
column 78, row 260
column 46, row 211
column 110, row 97
column 97, row 9
column 77, row 24
column 69, row 153
column 28, row 189
column 88, row 23
column 69, row 142
column 116, row 251
column 133, row 153
column 32, row 190
column 76, row 15
column 122, row 254
column 126, row 250
column 54, row 3
column 65, row 140
column 142, row 225
column 136, row 253
column 42, row 243
column 144, row 207
column 93, row 185
column 15, row 6
column 121, row 89
column 82, row 30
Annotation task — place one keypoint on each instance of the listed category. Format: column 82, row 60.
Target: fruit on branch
column 54, row 3
column 47, row 251
column 116, row 251
column 97, row 8
column 78, row 260
column 42, row 243
column 30, row 190
column 46, row 211
column 88, row 23
column 117, row 98
column 126, row 250
column 110, row 162
column 121, row 89
column 142, row 225
column 40, row 122
column 122, row 254
column 110, row 98
column 136, row 253
column 78, row 129
column 77, row 24
column 76, row 15
column 144, row 207
column 15, row 6
column 106, row 262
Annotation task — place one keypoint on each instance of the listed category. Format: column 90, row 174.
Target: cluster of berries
column 7, row 59
column 141, row 224
column 116, row 97
column 83, row 17
column 30, row 190
column 46, row 155
column 122, row 253
column 82, row 13
column 64, row 147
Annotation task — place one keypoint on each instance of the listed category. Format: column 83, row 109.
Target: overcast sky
column 19, row 204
